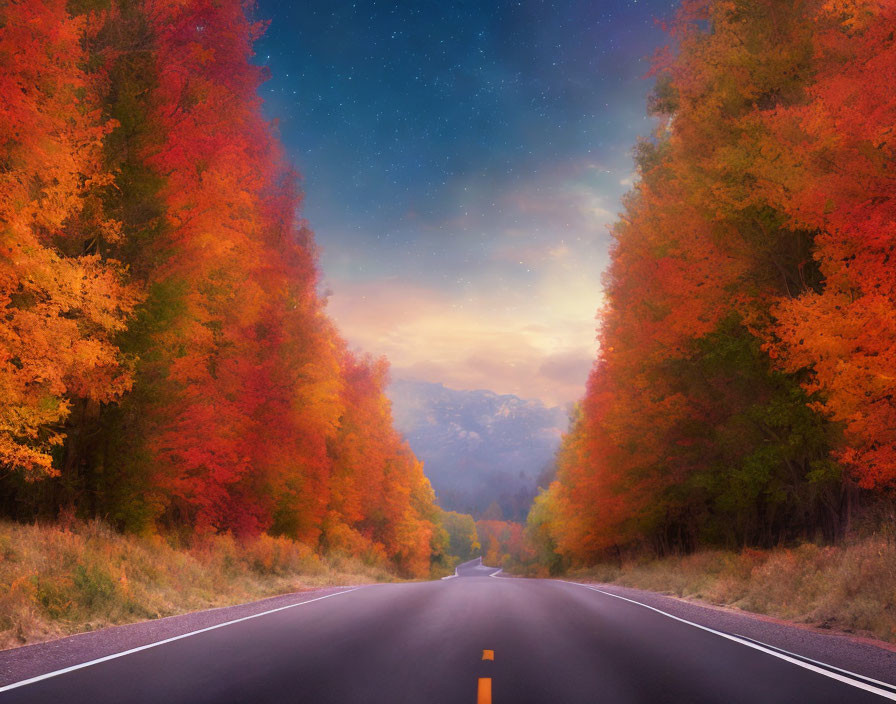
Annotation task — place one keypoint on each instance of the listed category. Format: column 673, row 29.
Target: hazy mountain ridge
column 478, row 447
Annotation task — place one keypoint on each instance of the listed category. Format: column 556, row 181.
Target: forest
column 190, row 444
column 167, row 364
column 744, row 394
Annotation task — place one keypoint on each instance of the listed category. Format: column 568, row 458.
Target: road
column 432, row 642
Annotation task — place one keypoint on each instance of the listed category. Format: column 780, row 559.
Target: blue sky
column 462, row 162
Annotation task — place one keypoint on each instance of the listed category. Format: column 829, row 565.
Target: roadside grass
column 849, row 588
column 59, row 580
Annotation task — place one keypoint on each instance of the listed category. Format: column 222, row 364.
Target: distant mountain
column 478, row 447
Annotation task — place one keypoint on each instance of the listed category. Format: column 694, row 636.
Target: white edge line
column 452, row 576
column 817, row 662
column 737, row 639
column 113, row 656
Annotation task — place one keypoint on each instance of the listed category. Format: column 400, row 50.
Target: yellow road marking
column 485, row 691
column 488, row 654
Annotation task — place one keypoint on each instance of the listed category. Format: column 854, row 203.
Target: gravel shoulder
column 17, row 664
column 863, row 656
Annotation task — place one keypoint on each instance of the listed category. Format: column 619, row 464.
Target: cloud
column 568, row 368
column 500, row 297
column 540, row 350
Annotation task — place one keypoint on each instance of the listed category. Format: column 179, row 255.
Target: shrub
column 61, row 579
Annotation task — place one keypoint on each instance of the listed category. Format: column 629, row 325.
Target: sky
column 461, row 162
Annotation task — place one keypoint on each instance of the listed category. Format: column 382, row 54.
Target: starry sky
column 462, row 160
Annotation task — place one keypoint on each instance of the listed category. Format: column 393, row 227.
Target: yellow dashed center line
column 484, row 692
column 484, row 695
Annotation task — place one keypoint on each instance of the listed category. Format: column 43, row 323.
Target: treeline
column 506, row 544
column 745, row 389
column 500, row 543
column 166, row 363
column 462, row 538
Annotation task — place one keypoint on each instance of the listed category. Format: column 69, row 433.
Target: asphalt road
column 429, row 642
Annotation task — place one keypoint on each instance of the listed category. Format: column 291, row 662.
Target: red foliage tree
column 836, row 177
column 749, row 300
column 248, row 412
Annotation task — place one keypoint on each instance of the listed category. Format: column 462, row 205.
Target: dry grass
column 849, row 588
column 57, row 581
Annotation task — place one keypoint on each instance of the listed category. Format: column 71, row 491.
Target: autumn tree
column 162, row 309
column 380, row 499
column 62, row 302
column 504, row 544
column 831, row 173
column 462, row 535
column 738, row 347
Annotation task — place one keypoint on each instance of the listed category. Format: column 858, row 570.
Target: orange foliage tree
column 833, row 174
column 744, row 385
column 504, row 544
column 223, row 398
column 61, row 303
column 380, row 495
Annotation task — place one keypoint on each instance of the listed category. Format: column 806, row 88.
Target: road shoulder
column 28, row 661
column 864, row 656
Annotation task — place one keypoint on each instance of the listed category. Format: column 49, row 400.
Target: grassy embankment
column 56, row 581
column 850, row 588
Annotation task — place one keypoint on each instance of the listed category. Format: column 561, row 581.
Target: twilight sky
column 462, row 160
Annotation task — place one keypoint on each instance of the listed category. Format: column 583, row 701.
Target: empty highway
column 475, row 637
